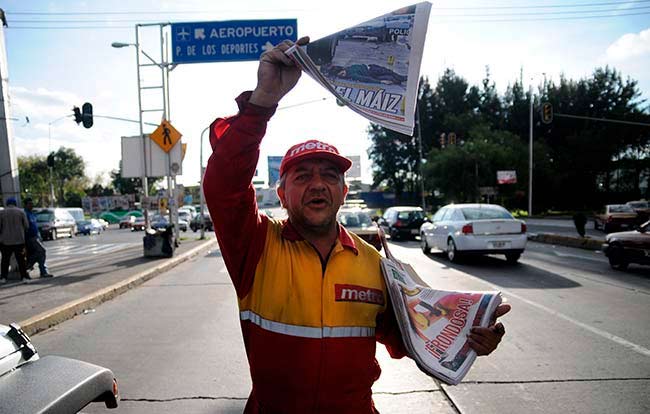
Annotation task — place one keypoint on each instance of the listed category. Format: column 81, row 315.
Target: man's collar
column 290, row 233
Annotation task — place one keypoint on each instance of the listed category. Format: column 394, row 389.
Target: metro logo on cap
column 314, row 149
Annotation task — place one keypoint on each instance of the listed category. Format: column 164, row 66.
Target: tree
column 69, row 175
column 131, row 185
column 34, row 179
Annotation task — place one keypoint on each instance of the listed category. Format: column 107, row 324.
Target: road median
column 586, row 243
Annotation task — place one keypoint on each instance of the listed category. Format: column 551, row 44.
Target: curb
column 73, row 308
column 586, row 243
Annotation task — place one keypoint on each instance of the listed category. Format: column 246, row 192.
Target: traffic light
column 547, row 113
column 50, row 160
column 442, row 140
column 84, row 115
column 78, row 118
column 452, row 138
column 87, row 112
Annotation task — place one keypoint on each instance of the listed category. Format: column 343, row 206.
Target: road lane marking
column 634, row 347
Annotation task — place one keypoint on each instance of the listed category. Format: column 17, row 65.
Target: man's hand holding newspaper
column 443, row 331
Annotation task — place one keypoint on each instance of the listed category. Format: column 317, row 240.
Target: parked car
column 127, row 221
column 195, row 224
column 642, row 210
column 399, row 222
column 138, row 224
column 615, row 217
column 88, row 227
column 55, row 222
column 462, row 229
column 359, row 222
column 627, row 247
column 49, row 384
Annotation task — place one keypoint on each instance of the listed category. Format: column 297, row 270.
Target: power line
column 438, row 21
column 438, row 15
column 149, row 12
column 547, row 7
column 542, row 19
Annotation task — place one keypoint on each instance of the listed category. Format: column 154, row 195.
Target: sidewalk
column 80, row 286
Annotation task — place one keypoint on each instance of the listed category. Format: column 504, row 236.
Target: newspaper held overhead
column 435, row 323
column 373, row 67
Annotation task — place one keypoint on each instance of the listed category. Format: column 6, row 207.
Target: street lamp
column 202, row 220
column 145, row 181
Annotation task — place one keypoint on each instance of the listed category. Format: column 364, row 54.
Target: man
column 312, row 300
column 35, row 249
column 13, row 224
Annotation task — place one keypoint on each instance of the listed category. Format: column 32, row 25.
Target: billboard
column 507, row 177
column 273, row 162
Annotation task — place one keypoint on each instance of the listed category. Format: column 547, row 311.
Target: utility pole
column 530, row 154
column 417, row 120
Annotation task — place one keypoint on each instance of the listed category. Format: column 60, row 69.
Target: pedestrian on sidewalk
column 580, row 220
column 36, row 252
column 311, row 296
column 13, row 224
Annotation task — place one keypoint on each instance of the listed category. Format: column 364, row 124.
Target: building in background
column 9, row 181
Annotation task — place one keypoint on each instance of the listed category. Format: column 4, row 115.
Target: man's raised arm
column 227, row 183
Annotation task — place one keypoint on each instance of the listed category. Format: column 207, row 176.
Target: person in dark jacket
column 311, row 296
column 36, row 252
column 13, row 224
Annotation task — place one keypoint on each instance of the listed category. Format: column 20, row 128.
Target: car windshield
column 620, row 208
column 44, row 217
column 355, row 219
column 410, row 215
column 485, row 213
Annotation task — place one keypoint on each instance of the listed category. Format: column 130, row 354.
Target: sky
column 54, row 65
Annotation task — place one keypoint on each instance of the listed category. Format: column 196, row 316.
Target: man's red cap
column 313, row 149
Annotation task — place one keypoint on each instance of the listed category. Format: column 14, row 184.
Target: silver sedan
column 464, row 229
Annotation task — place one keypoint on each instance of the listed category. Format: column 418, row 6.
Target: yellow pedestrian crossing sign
column 166, row 136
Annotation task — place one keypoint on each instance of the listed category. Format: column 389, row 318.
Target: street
column 576, row 341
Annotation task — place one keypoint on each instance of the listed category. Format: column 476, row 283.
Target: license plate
column 415, row 231
column 497, row 244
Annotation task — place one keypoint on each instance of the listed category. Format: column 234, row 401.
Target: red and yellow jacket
column 309, row 326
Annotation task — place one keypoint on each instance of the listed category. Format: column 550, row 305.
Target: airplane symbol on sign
column 267, row 47
column 183, row 34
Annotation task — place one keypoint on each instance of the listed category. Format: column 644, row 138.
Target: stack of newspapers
column 435, row 323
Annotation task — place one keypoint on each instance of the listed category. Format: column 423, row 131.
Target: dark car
column 89, row 227
column 402, row 222
column 627, row 247
column 615, row 217
column 642, row 209
column 195, row 224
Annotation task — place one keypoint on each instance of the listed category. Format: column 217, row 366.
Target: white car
column 463, row 229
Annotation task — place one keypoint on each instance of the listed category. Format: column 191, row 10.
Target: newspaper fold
column 435, row 323
column 373, row 67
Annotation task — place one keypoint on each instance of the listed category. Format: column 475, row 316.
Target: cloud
column 630, row 45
